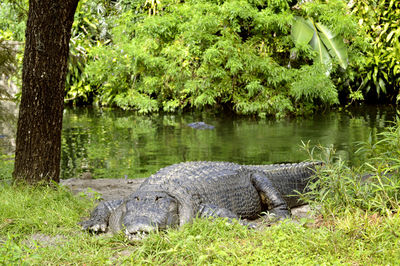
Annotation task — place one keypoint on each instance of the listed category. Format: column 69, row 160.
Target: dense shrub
column 380, row 73
column 230, row 54
column 90, row 28
column 173, row 55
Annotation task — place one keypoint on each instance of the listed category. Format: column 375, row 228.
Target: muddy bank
column 110, row 189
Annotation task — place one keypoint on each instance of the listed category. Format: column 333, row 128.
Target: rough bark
column 38, row 144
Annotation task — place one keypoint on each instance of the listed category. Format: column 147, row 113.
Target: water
column 115, row 143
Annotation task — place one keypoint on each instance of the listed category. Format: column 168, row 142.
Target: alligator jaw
column 136, row 236
column 139, row 229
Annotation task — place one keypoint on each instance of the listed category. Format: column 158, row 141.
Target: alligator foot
column 98, row 221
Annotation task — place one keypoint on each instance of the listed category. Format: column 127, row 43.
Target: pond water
column 115, row 143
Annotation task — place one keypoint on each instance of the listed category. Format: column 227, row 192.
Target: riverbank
column 39, row 226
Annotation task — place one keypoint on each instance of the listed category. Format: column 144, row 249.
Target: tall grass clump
column 371, row 186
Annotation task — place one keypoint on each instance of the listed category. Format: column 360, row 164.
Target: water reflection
column 115, row 143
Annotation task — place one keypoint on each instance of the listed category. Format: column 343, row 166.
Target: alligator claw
column 274, row 217
column 103, row 227
column 94, row 227
column 97, row 228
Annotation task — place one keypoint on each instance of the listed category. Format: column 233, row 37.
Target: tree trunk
column 38, row 144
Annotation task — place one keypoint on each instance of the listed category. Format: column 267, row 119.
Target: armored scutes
column 178, row 193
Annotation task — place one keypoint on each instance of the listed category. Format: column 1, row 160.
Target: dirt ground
column 110, row 189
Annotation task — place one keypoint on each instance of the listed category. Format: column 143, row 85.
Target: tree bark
column 38, row 143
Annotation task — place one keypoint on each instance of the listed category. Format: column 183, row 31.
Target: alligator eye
column 137, row 198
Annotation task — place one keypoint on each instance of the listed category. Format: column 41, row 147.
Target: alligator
column 200, row 125
column 178, row 193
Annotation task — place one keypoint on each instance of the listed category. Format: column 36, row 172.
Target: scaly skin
column 178, row 193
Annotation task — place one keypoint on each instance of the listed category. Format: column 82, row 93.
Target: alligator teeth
column 137, row 236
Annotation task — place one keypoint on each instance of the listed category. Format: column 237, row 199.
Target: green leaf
column 323, row 54
column 389, row 36
column 322, row 40
column 90, row 23
column 335, row 45
column 382, row 85
column 302, row 31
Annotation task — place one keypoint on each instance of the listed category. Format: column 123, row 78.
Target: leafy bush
column 13, row 15
column 228, row 54
column 7, row 65
column 380, row 73
column 90, row 28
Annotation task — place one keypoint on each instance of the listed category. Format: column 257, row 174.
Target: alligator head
column 147, row 211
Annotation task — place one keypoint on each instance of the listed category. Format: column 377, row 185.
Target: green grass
column 26, row 213
column 6, row 166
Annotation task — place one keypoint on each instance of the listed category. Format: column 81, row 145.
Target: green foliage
column 312, row 83
column 90, row 29
column 238, row 55
column 203, row 54
column 381, row 70
column 13, row 15
column 13, row 254
column 7, row 64
column 372, row 186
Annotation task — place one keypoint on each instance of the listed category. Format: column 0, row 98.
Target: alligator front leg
column 99, row 217
column 270, row 196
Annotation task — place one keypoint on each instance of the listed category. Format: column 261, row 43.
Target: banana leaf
column 322, row 53
column 302, row 31
column 334, row 44
column 322, row 40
